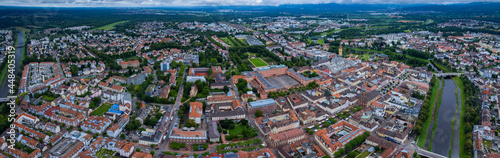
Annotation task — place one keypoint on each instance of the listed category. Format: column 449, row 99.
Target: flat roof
column 260, row 103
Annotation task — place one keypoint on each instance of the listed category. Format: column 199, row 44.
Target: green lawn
column 309, row 41
column 238, row 130
column 441, row 67
column 425, row 127
column 258, row 62
column 326, row 33
column 244, row 42
column 110, row 26
column 103, row 153
column 48, row 98
column 250, row 54
column 436, row 114
column 101, row 110
column 382, row 52
column 364, row 154
column 462, row 112
column 320, row 41
column 226, row 40
column 365, row 56
column 2, row 75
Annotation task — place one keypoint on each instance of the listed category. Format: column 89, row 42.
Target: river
column 448, row 110
column 4, row 86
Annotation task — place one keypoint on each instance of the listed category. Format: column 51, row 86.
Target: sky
column 169, row 3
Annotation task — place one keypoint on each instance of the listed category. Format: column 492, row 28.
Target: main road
column 4, row 84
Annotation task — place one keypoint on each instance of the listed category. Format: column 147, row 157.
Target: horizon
column 216, row 3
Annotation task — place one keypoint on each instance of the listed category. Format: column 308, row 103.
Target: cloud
column 170, row 3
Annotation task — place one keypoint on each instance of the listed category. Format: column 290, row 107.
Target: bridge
column 426, row 153
column 447, row 74
column 4, row 100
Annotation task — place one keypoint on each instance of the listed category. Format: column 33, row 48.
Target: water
column 4, row 86
column 441, row 144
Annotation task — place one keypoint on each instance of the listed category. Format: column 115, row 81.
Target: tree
column 258, row 113
column 122, row 136
column 250, row 100
column 227, row 124
column 152, row 145
column 195, row 147
column 243, row 122
column 190, row 123
column 152, row 152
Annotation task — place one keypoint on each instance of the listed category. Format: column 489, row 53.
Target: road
column 163, row 146
column 412, row 147
column 4, row 86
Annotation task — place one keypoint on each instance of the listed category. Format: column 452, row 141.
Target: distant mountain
column 462, row 8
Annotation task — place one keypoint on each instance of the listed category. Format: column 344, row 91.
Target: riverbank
column 455, row 126
column 425, row 126
column 462, row 112
column 436, row 112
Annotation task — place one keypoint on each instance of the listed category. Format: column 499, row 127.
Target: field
column 104, row 153
column 110, row 26
column 101, row 110
column 425, row 127
column 258, row 62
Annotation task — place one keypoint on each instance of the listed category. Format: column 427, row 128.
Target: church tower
column 340, row 50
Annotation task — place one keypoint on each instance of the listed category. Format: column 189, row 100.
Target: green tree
column 258, row 114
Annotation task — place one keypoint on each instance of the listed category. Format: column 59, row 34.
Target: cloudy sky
column 163, row 3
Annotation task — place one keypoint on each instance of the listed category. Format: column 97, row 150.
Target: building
column 188, row 137
column 265, row 105
column 164, row 66
column 117, row 128
column 96, row 124
column 136, row 79
column 150, row 90
column 286, row 137
column 232, row 110
column 72, row 144
column 195, row 111
column 198, row 72
column 296, row 102
column 195, row 78
column 216, row 70
column 142, row 154
column 126, row 64
column 213, row 133
column 277, row 123
column 394, row 131
column 336, row 136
